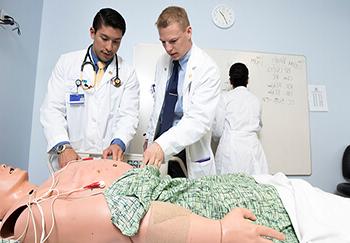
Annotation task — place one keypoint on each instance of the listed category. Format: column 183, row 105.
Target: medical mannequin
column 82, row 215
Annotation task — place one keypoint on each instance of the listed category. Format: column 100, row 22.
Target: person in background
column 92, row 101
column 187, row 87
column 237, row 123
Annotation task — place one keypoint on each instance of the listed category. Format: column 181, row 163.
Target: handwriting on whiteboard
column 281, row 72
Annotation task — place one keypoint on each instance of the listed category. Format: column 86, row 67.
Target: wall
column 18, row 59
column 317, row 29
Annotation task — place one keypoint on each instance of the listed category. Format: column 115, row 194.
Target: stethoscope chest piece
column 116, row 82
column 78, row 82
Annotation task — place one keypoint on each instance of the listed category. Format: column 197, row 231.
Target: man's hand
column 66, row 156
column 115, row 151
column 237, row 227
column 153, row 155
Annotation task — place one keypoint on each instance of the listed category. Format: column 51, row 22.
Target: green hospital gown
column 7, row 241
column 213, row 197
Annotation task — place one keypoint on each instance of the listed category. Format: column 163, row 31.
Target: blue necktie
column 170, row 99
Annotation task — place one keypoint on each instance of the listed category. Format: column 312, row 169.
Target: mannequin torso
column 86, row 207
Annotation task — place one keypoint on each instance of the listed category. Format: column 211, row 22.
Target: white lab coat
column 237, row 122
column 201, row 90
column 107, row 113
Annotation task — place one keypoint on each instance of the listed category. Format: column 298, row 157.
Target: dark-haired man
column 92, row 102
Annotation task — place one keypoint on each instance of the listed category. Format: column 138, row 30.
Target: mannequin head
column 11, row 177
column 13, row 185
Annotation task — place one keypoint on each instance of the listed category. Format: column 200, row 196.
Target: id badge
column 76, row 99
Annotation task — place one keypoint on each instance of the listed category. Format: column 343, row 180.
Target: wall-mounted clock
column 223, row 16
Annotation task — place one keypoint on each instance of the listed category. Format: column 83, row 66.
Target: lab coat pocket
column 206, row 159
column 75, row 121
column 202, row 167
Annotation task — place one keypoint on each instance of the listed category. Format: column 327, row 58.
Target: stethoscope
column 88, row 61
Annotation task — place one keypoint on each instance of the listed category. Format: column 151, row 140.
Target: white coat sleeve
column 219, row 120
column 128, row 111
column 153, row 120
column 198, row 117
column 53, row 109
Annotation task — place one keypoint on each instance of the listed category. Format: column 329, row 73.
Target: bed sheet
column 317, row 216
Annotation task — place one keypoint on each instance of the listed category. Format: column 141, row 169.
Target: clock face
column 223, row 16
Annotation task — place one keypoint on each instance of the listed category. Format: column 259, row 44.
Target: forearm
column 167, row 222
column 204, row 230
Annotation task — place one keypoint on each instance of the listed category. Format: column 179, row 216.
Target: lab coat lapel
column 190, row 70
column 188, row 78
column 165, row 77
column 161, row 86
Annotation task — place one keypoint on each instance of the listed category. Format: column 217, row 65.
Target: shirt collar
column 95, row 59
column 184, row 60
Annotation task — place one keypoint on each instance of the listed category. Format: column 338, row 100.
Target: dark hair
column 239, row 75
column 109, row 17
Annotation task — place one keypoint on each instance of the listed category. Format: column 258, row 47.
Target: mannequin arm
column 237, row 227
column 166, row 222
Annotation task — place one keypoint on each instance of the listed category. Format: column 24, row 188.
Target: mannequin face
column 11, row 180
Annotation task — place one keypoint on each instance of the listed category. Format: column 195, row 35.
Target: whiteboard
column 278, row 80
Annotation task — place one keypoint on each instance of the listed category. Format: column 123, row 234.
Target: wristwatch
column 62, row 147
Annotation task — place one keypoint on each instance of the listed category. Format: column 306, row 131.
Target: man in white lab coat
column 92, row 102
column 197, row 95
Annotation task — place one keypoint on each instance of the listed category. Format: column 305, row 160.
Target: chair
column 181, row 163
column 344, row 188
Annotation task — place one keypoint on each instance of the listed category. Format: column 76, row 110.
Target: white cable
column 42, row 221
column 49, row 164
column 53, row 194
column 33, row 221
column 52, row 218
column 54, row 178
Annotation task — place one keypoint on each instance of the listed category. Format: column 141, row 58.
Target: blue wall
column 18, row 59
column 318, row 29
